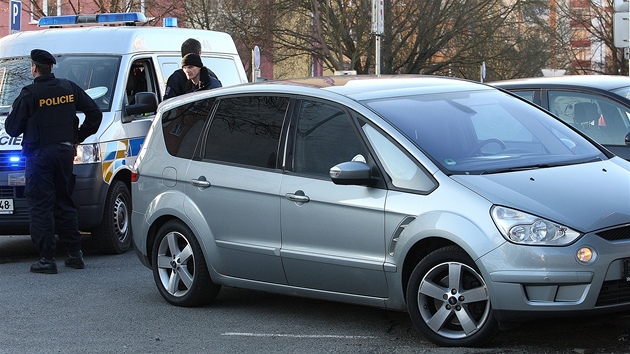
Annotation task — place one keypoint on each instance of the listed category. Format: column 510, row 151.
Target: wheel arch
column 417, row 252
column 152, row 233
column 123, row 175
column 436, row 230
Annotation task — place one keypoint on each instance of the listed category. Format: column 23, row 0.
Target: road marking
column 296, row 335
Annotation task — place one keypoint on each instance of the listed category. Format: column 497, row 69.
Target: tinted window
column 182, row 127
column 246, row 130
column 325, row 136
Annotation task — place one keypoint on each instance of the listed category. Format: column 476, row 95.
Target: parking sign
column 15, row 15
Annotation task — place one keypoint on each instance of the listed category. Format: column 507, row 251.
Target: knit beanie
column 192, row 59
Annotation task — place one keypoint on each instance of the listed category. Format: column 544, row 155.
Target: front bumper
column 527, row 281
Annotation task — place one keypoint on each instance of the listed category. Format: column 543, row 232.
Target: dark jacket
column 45, row 112
column 178, row 84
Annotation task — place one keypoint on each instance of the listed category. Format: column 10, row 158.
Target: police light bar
column 124, row 18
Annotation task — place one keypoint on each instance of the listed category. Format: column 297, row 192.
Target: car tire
column 448, row 300
column 179, row 267
column 113, row 235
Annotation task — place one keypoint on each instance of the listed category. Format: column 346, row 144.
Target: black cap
column 42, row 57
column 192, row 59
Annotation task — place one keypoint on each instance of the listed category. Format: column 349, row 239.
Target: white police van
column 124, row 67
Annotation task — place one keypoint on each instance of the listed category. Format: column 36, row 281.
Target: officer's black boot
column 75, row 260
column 45, row 265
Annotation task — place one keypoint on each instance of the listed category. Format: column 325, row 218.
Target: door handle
column 298, row 197
column 200, row 182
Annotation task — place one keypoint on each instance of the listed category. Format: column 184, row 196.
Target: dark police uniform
column 45, row 112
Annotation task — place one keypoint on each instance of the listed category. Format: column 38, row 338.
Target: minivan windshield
column 95, row 74
column 485, row 131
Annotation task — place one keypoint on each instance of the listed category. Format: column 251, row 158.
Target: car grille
column 7, row 165
column 614, row 292
column 620, row 233
column 11, row 192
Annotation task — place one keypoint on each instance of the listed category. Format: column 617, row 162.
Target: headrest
column 584, row 112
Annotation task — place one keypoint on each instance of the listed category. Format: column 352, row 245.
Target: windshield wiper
column 538, row 166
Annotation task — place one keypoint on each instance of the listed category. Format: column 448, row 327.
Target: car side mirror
column 146, row 102
column 628, row 139
column 352, row 173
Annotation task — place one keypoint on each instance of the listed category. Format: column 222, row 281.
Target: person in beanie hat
column 177, row 82
column 198, row 76
column 45, row 113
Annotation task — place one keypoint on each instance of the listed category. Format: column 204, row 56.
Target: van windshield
column 95, row 74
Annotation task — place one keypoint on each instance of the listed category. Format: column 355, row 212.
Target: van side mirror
column 352, row 173
column 146, row 102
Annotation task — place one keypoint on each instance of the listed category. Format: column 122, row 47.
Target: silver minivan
column 449, row 199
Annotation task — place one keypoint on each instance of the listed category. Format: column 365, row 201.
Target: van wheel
column 113, row 236
column 179, row 268
column 448, row 300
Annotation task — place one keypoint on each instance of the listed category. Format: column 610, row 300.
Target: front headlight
column 525, row 229
column 87, row 153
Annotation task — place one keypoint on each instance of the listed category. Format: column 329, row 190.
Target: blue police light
column 124, row 18
column 14, row 160
column 57, row 21
column 170, row 22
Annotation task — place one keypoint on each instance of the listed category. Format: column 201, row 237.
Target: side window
column 141, row 78
column 525, row 94
column 225, row 68
column 599, row 117
column 325, row 136
column 182, row 127
column 246, row 130
column 401, row 169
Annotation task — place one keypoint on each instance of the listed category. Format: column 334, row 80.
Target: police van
column 124, row 67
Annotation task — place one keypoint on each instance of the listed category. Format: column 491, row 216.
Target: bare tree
column 588, row 37
column 429, row 37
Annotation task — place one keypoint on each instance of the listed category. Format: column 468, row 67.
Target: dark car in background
column 597, row 105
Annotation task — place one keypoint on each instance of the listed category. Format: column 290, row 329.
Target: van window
column 141, row 78
column 225, row 68
column 246, row 130
column 95, row 74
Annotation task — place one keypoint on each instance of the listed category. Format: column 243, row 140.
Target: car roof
column 354, row 87
column 602, row 82
column 362, row 87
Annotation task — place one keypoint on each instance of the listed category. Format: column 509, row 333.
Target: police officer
column 45, row 112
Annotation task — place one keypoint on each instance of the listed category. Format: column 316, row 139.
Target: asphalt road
column 112, row 306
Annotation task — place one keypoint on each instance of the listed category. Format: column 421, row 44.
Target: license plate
column 6, row 206
column 626, row 269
